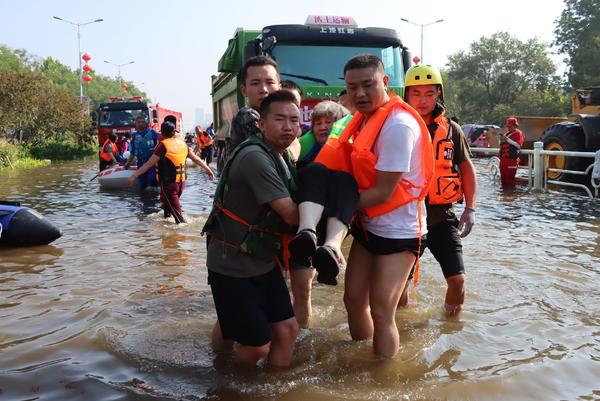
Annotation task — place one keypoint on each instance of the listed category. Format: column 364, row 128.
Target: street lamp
column 422, row 26
column 119, row 67
column 79, row 25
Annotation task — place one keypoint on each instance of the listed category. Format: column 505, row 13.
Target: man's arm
column 108, row 149
column 382, row 191
column 261, row 175
column 145, row 167
column 468, row 178
column 201, row 164
column 286, row 209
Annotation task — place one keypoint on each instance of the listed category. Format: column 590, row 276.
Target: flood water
column 119, row 308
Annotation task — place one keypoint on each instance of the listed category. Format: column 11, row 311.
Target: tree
column 577, row 34
column 33, row 111
column 486, row 83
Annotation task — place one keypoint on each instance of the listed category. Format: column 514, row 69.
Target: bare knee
column 286, row 332
column 381, row 316
column 353, row 302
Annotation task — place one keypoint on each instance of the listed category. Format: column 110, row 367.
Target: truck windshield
column 121, row 118
column 326, row 63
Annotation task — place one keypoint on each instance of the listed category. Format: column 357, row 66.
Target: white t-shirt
column 398, row 149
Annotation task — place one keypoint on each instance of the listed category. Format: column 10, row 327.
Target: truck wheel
column 567, row 136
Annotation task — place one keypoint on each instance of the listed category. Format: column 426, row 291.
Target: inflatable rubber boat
column 21, row 226
column 116, row 177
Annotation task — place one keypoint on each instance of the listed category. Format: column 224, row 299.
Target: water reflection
column 119, row 307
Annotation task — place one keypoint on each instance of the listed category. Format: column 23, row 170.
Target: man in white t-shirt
column 385, row 247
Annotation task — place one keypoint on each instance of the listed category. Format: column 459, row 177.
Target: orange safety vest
column 171, row 168
column 352, row 152
column 106, row 156
column 446, row 186
column 204, row 141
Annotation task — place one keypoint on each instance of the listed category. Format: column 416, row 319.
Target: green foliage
column 40, row 108
column 577, row 34
column 15, row 156
column 501, row 75
column 34, row 111
column 63, row 78
column 66, row 148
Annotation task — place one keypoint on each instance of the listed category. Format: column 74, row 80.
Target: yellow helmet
column 424, row 75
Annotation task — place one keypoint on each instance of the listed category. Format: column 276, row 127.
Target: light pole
column 422, row 26
column 79, row 25
column 119, row 67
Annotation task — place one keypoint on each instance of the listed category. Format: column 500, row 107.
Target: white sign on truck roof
column 330, row 20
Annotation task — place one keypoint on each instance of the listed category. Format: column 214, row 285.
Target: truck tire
column 567, row 136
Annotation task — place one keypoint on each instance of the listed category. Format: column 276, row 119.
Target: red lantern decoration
column 124, row 86
column 86, row 57
column 87, row 68
column 87, row 78
column 416, row 60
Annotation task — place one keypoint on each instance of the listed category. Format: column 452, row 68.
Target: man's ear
column 386, row 79
column 243, row 89
column 261, row 124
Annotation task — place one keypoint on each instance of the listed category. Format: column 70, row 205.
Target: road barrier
column 538, row 167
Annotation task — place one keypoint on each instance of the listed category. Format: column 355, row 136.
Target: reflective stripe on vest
column 358, row 159
column 446, row 186
column 171, row 168
column 106, row 156
column 508, row 150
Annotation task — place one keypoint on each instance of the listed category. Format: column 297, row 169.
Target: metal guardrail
column 537, row 167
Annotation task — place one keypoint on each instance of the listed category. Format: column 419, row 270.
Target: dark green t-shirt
column 439, row 213
column 252, row 183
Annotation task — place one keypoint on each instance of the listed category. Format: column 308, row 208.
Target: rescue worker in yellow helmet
column 454, row 181
column 169, row 157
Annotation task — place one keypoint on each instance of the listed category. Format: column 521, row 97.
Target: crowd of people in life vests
column 385, row 169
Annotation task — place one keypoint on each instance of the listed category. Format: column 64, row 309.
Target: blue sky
column 176, row 44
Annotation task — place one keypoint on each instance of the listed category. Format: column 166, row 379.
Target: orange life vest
column 352, row 152
column 204, row 141
column 446, row 186
column 171, row 168
column 105, row 155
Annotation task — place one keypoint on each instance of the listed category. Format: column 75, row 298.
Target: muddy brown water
column 119, row 308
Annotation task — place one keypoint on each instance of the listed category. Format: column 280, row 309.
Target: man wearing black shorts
column 253, row 211
column 454, row 180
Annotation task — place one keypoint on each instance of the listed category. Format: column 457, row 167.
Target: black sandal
column 303, row 247
column 327, row 263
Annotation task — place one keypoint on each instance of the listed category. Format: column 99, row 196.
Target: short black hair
column 112, row 137
column 171, row 118
column 167, row 129
column 291, row 85
column 364, row 61
column 278, row 96
column 127, row 135
column 257, row 61
column 342, row 93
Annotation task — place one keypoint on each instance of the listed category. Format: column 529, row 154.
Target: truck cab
column 312, row 55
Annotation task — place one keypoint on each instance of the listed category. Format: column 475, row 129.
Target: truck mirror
column 268, row 44
column 155, row 114
column 406, row 61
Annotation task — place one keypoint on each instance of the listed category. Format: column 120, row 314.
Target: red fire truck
column 119, row 116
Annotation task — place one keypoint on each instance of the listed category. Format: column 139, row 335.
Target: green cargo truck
column 312, row 55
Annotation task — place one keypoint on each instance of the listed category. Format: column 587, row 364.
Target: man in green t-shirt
column 253, row 209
